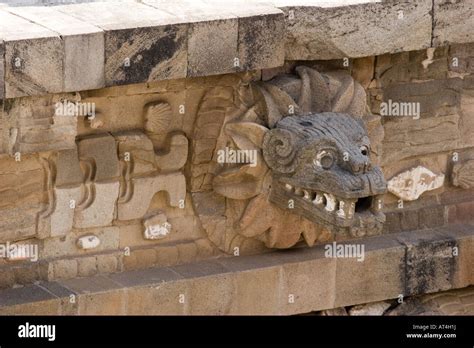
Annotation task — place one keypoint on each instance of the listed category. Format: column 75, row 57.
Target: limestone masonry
column 240, row 157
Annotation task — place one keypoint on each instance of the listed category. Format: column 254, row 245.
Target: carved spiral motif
column 279, row 150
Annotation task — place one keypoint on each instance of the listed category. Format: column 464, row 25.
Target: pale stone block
column 145, row 188
column 118, row 15
column 61, row 219
column 100, row 211
column 84, row 62
column 453, row 22
column 196, row 10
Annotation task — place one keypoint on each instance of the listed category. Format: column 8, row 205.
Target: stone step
column 298, row 280
column 91, row 45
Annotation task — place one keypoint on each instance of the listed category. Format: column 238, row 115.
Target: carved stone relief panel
column 291, row 161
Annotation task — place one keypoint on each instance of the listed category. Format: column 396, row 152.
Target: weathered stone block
column 86, row 266
column 33, row 57
column 34, row 126
column 30, row 299
column 21, row 185
column 27, row 273
column 107, row 263
column 212, row 290
column 461, row 212
column 309, row 284
column 379, row 276
column 169, row 298
column 213, row 47
column 65, row 269
column 2, row 74
column 211, row 295
column 356, row 29
column 422, row 137
column 432, row 217
column 141, row 43
column 83, row 46
column 153, row 291
column 7, row 277
column 68, row 170
column 452, row 22
column 461, row 58
column 463, row 235
column 430, row 263
column 68, row 244
column 409, row 220
column 411, row 66
column 145, row 54
column 260, row 41
column 252, row 299
column 103, row 151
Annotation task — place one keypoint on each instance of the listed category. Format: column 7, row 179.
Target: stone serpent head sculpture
column 321, row 169
column 314, row 175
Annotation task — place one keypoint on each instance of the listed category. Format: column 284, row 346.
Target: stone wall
column 111, row 130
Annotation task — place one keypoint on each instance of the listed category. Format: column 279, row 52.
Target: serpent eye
column 364, row 150
column 324, row 159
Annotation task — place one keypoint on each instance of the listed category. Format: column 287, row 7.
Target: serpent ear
column 246, row 135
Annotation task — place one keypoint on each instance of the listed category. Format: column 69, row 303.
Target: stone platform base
column 299, row 280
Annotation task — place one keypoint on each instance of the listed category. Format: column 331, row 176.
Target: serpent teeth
column 330, row 202
column 319, row 199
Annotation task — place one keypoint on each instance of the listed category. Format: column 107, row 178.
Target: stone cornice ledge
column 77, row 47
column 395, row 266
